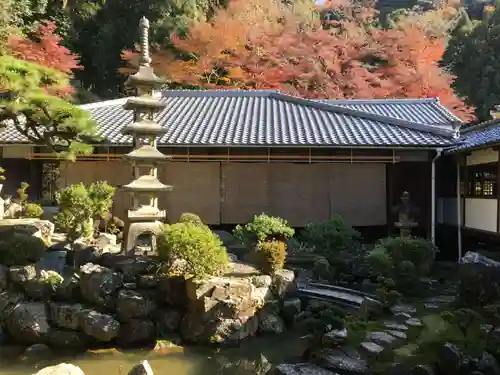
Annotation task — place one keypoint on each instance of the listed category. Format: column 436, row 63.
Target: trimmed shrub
column 263, row 228
column 33, row 210
column 404, row 260
column 331, row 237
column 188, row 217
column 20, row 248
column 80, row 204
column 270, row 256
column 198, row 246
column 337, row 241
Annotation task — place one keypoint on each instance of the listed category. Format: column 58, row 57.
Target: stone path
column 405, row 316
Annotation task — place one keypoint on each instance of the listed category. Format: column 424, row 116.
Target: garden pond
column 253, row 357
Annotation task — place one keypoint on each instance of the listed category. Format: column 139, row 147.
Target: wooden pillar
column 389, row 196
column 498, row 193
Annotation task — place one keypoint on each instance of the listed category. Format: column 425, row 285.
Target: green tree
column 473, row 57
column 37, row 108
column 101, row 31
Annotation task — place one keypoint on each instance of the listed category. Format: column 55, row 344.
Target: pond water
column 253, row 357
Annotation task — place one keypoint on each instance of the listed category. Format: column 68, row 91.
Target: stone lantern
column 144, row 218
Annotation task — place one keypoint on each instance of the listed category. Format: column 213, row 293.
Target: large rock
column 102, row 327
column 270, row 323
column 218, row 308
column 65, row 315
column 168, row 321
column 479, row 280
column 284, row 283
column 142, row 368
column 4, row 277
column 137, row 332
column 8, row 301
column 42, row 229
column 340, row 363
column 61, row 369
column 22, row 274
column 131, row 304
column 74, row 340
column 129, row 266
column 99, row 285
column 217, row 331
column 301, row 369
column 172, row 291
column 28, row 323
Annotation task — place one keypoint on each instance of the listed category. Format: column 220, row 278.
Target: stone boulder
column 64, row 315
column 42, row 229
column 284, row 283
column 99, row 285
column 479, row 283
column 74, row 340
column 102, row 327
column 4, row 277
column 132, row 304
column 137, row 332
column 61, row 369
column 301, row 369
column 168, row 321
column 218, row 307
column 142, row 368
column 338, row 362
column 22, row 274
column 28, row 322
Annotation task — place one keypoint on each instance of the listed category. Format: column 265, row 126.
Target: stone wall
column 126, row 301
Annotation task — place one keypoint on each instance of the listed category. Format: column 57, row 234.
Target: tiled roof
column 424, row 111
column 478, row 136
column 253, row 118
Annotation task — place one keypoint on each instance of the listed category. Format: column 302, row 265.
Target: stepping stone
column 403, row 309
column 414, row 322
column 395, row 326
column 486, row 328
column 335, row 337
column 402, row 315
column 380, row 338
column 397, row 334
column 431, row 306
column 371, row 347
column 441, row 299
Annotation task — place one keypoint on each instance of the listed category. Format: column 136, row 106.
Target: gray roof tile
column 254, row 118
column 424, row 111
column 478, row 136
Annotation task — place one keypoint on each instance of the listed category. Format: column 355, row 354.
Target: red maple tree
column 44, row 47
column 260, row 45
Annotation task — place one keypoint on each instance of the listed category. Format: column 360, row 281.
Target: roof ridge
column 388, row 101
column 481, row 126
column 216, row 93
column 366, row 115
column 104, row 103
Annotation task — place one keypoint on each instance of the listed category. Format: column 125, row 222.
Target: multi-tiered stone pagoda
column 144, row 218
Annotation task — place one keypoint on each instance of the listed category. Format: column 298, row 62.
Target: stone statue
column 406, row 215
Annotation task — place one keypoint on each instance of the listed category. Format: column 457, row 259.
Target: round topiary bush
column 20, row 248
column 33, row 210
column 188, row 217
column 270, row 256
column 263, row 228
column 198, row 246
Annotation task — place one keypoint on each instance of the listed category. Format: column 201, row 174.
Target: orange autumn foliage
column 260, row 44
column 44, row 48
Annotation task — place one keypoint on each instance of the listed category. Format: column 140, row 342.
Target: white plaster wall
column 447, row 210
column 481, row 214
column 482, row 157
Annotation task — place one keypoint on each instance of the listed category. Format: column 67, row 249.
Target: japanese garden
column 260, row 187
